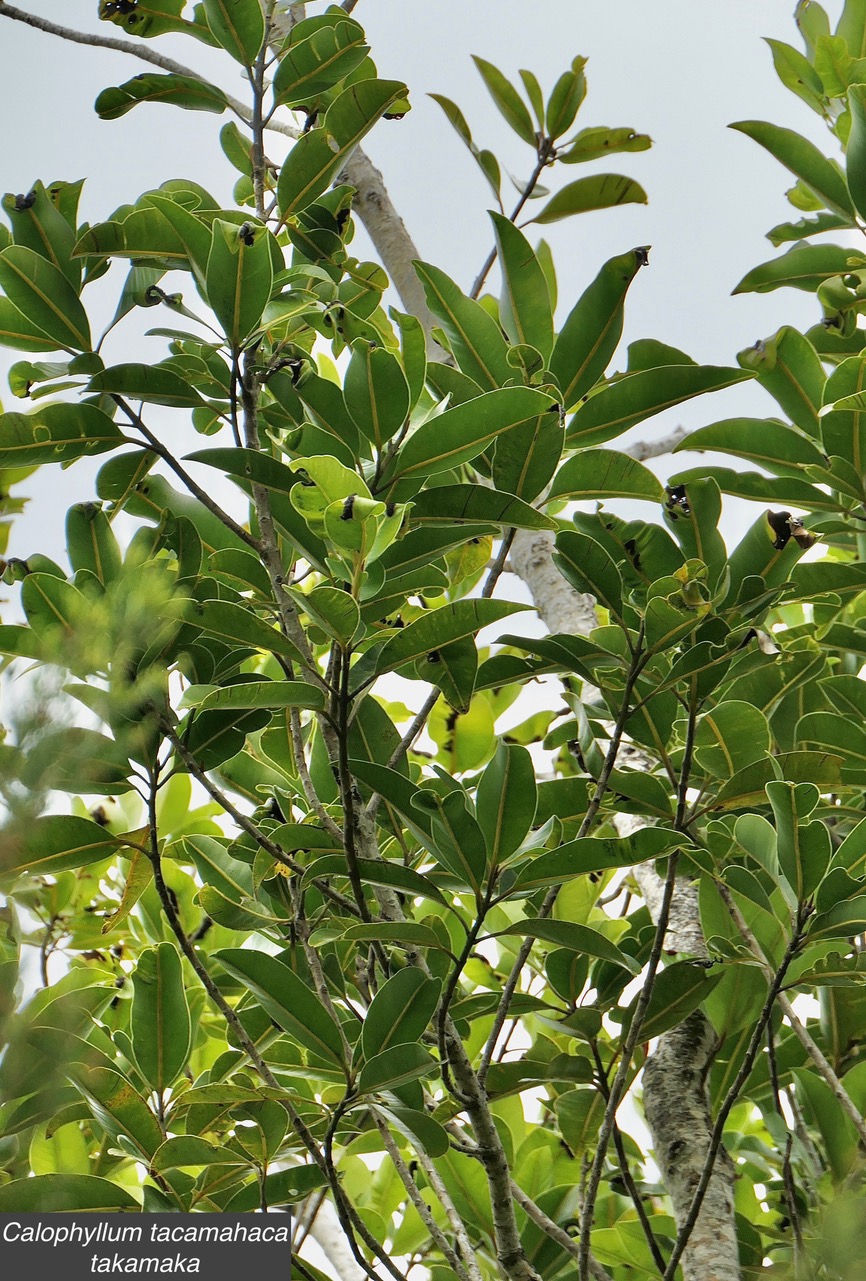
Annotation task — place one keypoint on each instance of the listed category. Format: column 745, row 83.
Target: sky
column 680, row 71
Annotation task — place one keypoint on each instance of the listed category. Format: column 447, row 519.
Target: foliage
column 292, row 939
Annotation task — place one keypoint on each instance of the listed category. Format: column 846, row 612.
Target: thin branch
column 544, row 154
column 498, row 565
column 554, row 1231
column 789, row 1193
column 423, row 1209
column 180, row 471
column 405, row 743
column 733, row 1094
column 644, row 449
column 585, row 827
column 247, row 825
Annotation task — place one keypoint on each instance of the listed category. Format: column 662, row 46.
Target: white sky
column 680, row 71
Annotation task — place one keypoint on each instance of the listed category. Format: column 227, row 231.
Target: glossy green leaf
column 174, row 90
column 565, row 99
column 678, row 990
column 508, row 100
column 234, row 623
column 797, row 74
column 376, row 392
column 239, row 277
column 251, row 694
column 39, row 224
column 575, row 937
column 438, row 627
column 595, row 854
column 589, row 568
column 119, row 1108
column 20, row 333
column 317, row 157
column 400, row 1011
column 55, row 842
column 747, row 787
column 526, row 456
column 316, row 59
column 56, row 433
column 635, row 397
column 289, row 1002
column 766, row 441
column 505, row 801
column 596, row 142
column 591, row 333
column 460, row 434
column 475, row 338
column 395, row 1067
column 160, row 1022
column 804, row 160
column 804, row 266
column 731, row 736
column 446, row 504
column 603, row 473
column 45, row 297
column 525, row 309
column 788, row 367
column 239, row 26
column 154, row 384
column 50, row 1193
column 601, row 191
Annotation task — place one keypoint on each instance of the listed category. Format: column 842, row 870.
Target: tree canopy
column 313, row 928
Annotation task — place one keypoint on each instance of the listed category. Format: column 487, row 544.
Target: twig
column 498, row 565
column 544, row 154
column 822, row 1064
column 180, row 471
column 733, row 1093
column 405, row 743
column 585, row 827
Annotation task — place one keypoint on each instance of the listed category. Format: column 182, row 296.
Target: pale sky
column 679, row 70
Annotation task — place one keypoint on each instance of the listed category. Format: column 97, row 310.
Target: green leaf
column 789, row 368
column 565, row 100
column 376, row 392
column 400, row 1011
column 475, row 338
column 281, row 1188
column 317, row 58
column 316, row 158
column 43, row 294
column 91, row 543
column 395, row 1067
column 460, row 434
column 592, row 331
column 678, row 990
column 438, row 627
column 179, row 91
column 508, row 100
column 56, row 433
column 187, row 1150
column 239, row 625
column 635, row 397
column 50, row 1193
column 797, row 74
column 731, row 736
column 239, row 26
column 407, row 934
column 856, row 150
column 802, row 267
column 804, row 160
column 525, row 310
column 456, row 839
column 160, row 1024
column 54, row 843
column 505, row 801
column 597, row 141
column 289, row 1002
column 600, row 191
column 153, row 384
column 446, row 504
column 377, row 872
column 760, row 488
column 119, row 1108
column 38, row 223
column 526, row 456
column 331, row 609
column 775, row 445
column 273, row 695
column 747, row 787
column 20, row 333
column 577, row 938
column 589, row 568
column 595, row 854
column 603, row 473
column 239, row 277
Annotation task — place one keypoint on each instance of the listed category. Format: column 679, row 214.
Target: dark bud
column 342, row 218
column 25, row 202
column 678, row 501
column 394, row 115
column 245, row 234
column 274, row 810
column 390, row 508
column 348, row 508
column 785, row 527
column 641, row 255
column 434, row 656
column 310, row 121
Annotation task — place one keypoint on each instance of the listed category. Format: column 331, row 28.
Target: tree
column 353, row 946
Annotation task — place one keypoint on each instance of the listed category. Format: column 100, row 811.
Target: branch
column 821, row 1063
column 644, row 449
